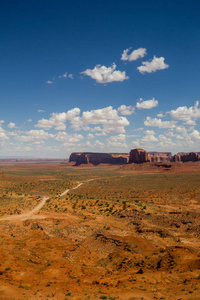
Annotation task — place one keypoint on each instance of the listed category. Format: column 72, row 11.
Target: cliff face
column 99, row 158
column 138, row 156
column 160, row 156
column 185, row 157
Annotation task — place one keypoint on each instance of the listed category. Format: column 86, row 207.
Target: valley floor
column 125, row 233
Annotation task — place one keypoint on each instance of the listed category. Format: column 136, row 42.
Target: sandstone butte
column 137, row 156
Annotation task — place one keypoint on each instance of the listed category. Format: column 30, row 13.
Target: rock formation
column 185, row 157
column 98, row 158
column 138, row 156
column 160, row 156
column 154, row 153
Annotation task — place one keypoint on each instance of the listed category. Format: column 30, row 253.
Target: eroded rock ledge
column 136, row 156
column 99, row 158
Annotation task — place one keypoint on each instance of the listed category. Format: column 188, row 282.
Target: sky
column 99, row 76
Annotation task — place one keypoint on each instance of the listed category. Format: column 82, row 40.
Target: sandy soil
column 133, row 235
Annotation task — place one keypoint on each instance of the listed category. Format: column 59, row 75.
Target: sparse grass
column 93, row 231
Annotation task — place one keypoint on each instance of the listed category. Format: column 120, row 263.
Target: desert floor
column 107, row 232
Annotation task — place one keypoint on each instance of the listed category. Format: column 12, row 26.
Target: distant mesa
column 136, row 156
column 98, row 158
column 185, row 157
column 139, row 156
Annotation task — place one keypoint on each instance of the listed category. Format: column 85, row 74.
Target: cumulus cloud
column 69, row 138
column 3, row 134
column 134, row 55
column 149, row 136
column 126, row 110
column 90, row 136
column 181, row 129
column 40, row 110
column 117, row 138
column 49, row 81
column 11, row 125
column 183, row 113
column 190, row 122
column 117, row 141
column 160, row 115
column 34, row 135
column 157, row 63
column 65, row 75
column 100, row 134
column 99, row 144
column 159, row 123
column 103, row 74
column 146, row 104
column 58, row 120
column 96, row 128
column 107, row 117
column 195, row 135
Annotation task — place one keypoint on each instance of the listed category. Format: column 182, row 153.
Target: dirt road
column 30, row 214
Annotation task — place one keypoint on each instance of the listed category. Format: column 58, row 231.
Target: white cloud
column 160, row 115
column 183, row 113
column 103, row 74
column 146, row 104
column 66, row 76
column 69, row 138
column 3, row 136
column 164, row 138
column 108, row 117
column 100, row 134
column 169, row 134
column 181, row 129
column 11, row 125
column 134, row 55
column 29, row 120
column 40, row 110
column 90, row 136
column 96, row 128
column 159, row 123
column 126, row 110
column 157, row 63
column 190, row 122
column 149, row 136
column 117, row 141
column 49, row 81
column 34, row 135
column 99, row 144
column 3, row 133
column 58, row 120
column 116, row 138
column 195, row 135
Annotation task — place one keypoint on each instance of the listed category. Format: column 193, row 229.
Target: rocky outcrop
column 138, row 156
column 185, row 157
column 164, row 154
column 160, row 156
column 99, row 158
column 176, row 158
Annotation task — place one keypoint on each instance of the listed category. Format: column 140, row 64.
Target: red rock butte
column 136, row 156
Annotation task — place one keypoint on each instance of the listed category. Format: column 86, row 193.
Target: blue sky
column 105, row 76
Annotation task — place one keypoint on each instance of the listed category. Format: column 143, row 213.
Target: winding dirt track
column 30, row 214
